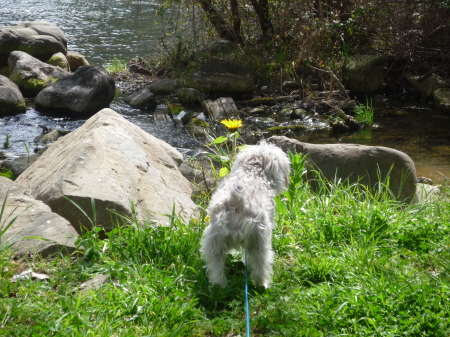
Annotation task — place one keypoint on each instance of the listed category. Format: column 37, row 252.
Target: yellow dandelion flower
column 232, row 124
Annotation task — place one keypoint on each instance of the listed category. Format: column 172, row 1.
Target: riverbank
column 359, row 267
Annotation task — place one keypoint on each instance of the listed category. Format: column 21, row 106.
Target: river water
column 108, row 29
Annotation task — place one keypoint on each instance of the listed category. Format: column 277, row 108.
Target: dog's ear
column 277, row 170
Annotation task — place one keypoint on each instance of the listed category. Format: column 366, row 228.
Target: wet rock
column 11, row 99
column 82, row 94
column 50, row 136
column 197, row 127
column 285, row 112
column 144, row 99
column 32, row 75
column 291, row 85
column 441, row 98
column 18, row 165
column 220, row 108
column 39, row 39
column 427, row 84
column 284, row 128
column 299, row 113
column 164, row 86
column 190, row 96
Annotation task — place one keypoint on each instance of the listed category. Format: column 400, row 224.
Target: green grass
column 348, row 262
column 364, row 113
column 116, row 65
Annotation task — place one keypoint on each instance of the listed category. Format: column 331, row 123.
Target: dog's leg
column 214, row 253
column 260, row 255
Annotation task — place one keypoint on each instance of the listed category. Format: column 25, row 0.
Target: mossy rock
column 11, row 108
column 175, row 108
column 31, row 86
column 59, row 60
column 197, row 127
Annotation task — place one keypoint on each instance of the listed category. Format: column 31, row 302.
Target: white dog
column 242, row 212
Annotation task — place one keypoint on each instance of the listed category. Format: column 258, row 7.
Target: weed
column 116, row 65
column 364, row 113
column 6, row 143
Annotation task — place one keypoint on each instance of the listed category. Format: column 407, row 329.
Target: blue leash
column 247, row 307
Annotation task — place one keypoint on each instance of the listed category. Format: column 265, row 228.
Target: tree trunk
column 224, row 30
column 234, row 6
column 261, row 8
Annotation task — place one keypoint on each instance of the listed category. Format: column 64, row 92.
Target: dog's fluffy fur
column 242, row 213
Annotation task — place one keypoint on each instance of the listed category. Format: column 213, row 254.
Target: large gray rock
column 368, row 165
column 114, row 162
column 40, row 39
column 11, row 99
column 35, row 219
column 428, row 84
column 221, row 76
column 363, row 73
column 82, row 94
column 32, row 75
column 190, row 96
column 164, row 86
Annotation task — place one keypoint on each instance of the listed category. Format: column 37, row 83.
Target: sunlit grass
column 364, row 113
column 348, row 262
column 116, row 65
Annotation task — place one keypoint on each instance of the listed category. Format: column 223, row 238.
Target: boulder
column 220, row 76
column 114, row 162
column 59, row 60
column 190, row 96
column 441, row 98
column 34, row 219
column 427, row 85
column 164, row 86
column 368, row 165
column 40, row 39
column 82, row 94
column 144, row 99
column 221, row 108
column 11, row 99
column 363, row 73
column 76, row 60
column 32, row 75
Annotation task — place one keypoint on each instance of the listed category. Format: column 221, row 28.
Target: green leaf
column 223, row 172
column 219, row 140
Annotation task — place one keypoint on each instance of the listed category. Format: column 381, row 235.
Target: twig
column 333, row 78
